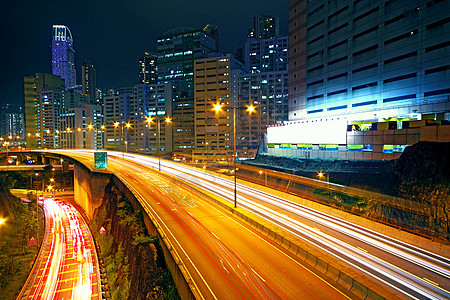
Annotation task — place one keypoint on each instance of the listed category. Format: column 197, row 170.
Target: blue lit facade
column 374, row 60
column 63, row 61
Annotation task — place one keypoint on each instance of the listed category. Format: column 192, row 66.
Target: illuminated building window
column 397, row 78
column 438, row 69
column 315, row 97
column 337, row 92
column 404, row 56
column 315, row 25
column 364, row 103
column 315, row 82
column 365, row 68
column 438, row 23
column 338, row 12
column 337, row 28
column 337, row 44
column 314, row 111
column 437, row 92
column 404, row 97
column 337, row 107
column 368, row 13
column 363, row 86
column 316, row 39
column 438, row 46
column 356, row 36
column 357, row 53
column 337, row 76
column 337, row 60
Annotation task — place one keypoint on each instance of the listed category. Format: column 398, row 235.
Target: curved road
column 225, row 258
column 403, row 269
column 66, row 268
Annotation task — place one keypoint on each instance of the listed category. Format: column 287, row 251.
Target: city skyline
column 114, row 48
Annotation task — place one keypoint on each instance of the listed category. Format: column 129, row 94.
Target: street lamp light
column 326, row 175
column 149, row 120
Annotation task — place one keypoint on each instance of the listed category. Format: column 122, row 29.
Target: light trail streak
column 65, row 233
column 402, row 280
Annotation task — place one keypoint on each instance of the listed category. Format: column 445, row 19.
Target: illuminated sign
column 309, row 132
column 101, row 160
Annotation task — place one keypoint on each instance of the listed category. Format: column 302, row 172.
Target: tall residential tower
column 89, row 81
column 63, row 61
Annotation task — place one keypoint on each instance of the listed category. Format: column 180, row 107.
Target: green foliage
column 129, row 253
column 423, row 177
column 140, row 239
column 16, row 257
column 342, row 200
column 28, row 179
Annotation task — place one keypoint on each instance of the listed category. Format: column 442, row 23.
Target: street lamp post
column 149, row 120
column 167, row 120
column 7, row 154
column 158, row 122
column 235, row 156
column 103, row 136
column 159, row 145
column 217, row 109
column 250, row 110
column 92, row 138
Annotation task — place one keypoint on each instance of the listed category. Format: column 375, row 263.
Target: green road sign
column 101, row 160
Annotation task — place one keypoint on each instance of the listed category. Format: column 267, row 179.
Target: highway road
column 225, row 258
column 403, row 269
column 67, row 268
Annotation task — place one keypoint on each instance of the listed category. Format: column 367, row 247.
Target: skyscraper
column 215, row 79
column 63, row 62
column 12, row 121
column 33, row 87
column 177, row 50
column 264, row 27
column 89, row 81
column 266, row 55
column 148, row 69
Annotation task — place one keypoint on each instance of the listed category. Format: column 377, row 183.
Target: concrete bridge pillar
column 45, row 160
column 89, row 188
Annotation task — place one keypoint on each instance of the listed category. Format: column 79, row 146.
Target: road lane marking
column 289, row 257
column 432, row 282
column 258, row 275
column 223, row 266
column 215, row 235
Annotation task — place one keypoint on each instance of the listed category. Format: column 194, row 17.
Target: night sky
column 113, row 34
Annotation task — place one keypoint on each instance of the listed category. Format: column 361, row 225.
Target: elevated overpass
column 261, row 253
